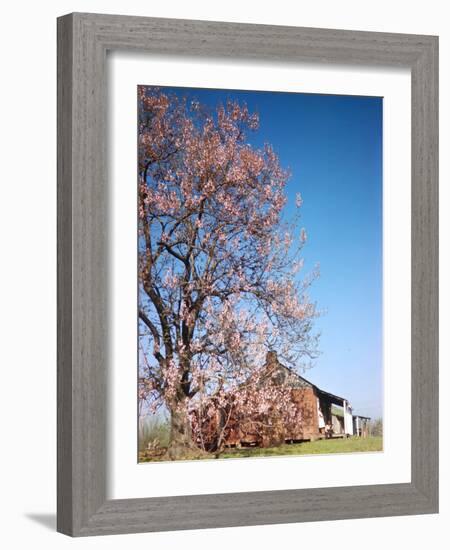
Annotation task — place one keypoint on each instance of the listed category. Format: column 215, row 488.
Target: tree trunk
column 181, row 445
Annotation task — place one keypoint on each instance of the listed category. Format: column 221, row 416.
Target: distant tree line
column 376, row 427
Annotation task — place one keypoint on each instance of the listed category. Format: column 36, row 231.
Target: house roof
column 287, row 375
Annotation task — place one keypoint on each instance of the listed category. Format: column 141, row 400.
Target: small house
column 323, row 415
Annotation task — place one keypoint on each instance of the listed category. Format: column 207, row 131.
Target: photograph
column 260, row 274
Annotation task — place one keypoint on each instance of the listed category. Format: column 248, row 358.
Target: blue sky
column 333, row 147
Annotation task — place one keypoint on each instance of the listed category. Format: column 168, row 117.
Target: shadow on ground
column 46, row 520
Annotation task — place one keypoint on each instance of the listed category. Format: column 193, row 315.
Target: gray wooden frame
column 83, row 40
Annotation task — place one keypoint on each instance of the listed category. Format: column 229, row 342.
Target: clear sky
column 333, row 147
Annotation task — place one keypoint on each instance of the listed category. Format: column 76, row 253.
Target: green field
column 322, row 446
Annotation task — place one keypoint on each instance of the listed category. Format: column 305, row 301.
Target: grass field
column 322, row 446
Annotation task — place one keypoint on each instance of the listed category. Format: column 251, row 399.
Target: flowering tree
column 218, row 283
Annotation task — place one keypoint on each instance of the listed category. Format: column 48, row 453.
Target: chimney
column 271, row 359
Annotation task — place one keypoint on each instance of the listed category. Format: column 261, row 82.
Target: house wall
column 306, row 399
column 338, row 424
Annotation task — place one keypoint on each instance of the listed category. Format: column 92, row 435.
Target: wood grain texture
column 83, row 209
column 64, row 275
column 424, row 275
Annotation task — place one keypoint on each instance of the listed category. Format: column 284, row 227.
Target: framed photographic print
column 247, row 274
